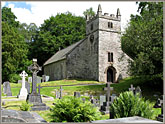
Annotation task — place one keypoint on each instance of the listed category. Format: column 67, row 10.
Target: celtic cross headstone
column 23, row 92
column 34, row 97
column 34, row 68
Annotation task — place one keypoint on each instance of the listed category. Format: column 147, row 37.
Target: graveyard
column 100, row 94
column 84, row 68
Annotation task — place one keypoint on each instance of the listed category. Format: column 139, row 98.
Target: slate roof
column 62, row 53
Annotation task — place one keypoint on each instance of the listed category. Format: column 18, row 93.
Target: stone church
column 97, row 57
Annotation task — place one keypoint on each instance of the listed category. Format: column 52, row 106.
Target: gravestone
column 105, row 108
column 27, row 86
column 7, row 88
column 46, row 78
column 43, row 78
column 138, row 90
column 38, row 79
column 112, row 98
column 77, row 94
column 57, row 94
column 23, row 92
column 34, row 97
column 102, row 99
column 29, row 79
column 132, row 89
column 60, row 90
column 19, row 81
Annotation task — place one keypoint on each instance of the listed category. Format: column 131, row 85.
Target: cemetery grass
column 147, row 92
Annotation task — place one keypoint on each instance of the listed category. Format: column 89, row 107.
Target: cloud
column 43, row 10
column 3, row 4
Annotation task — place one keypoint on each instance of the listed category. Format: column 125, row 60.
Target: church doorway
column 111, row 72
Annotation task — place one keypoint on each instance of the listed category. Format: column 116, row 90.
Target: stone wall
column 82, row 62
column 109, row 41
column 56, row 70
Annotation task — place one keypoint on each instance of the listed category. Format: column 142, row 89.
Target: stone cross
column 34, row 68
column 23, row 75
column 23, row 92
column 132, row 88
column 39, row 87
column 108, row 89
column 61, row 92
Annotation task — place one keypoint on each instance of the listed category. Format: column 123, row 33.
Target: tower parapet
column 106, row 15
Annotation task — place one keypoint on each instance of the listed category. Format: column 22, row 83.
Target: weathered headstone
column 77, row 94
column 102, row 99
column 38, row 79
column 43, row 78
column 19, row 81
column 132, row 89
column 7, row 88
column 29, row 79
column 57, row 94
column 34, row 97
column 46, row 78
column 27, row 86
column 112, row 98
column 23, row 92
column 138, row 90
column 105, row 108
column 60, row 90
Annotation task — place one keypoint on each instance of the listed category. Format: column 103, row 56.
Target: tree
column 143, row 40
column 14, row 47
column 57, row 32
column 9, row 17
column 89, row 12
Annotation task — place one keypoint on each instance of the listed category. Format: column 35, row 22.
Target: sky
column 37, row 12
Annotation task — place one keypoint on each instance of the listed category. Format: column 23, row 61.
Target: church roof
column 62, row 53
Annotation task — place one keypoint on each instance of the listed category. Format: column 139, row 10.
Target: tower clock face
column 91, row 38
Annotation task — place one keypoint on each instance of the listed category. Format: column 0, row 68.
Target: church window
column 110, row 25
column 110, row 57
column 91, row 38
column 92, row 26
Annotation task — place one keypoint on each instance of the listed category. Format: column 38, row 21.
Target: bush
column 70, row 109
column 128, row 105
column 25, row 106
column 14, row 78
